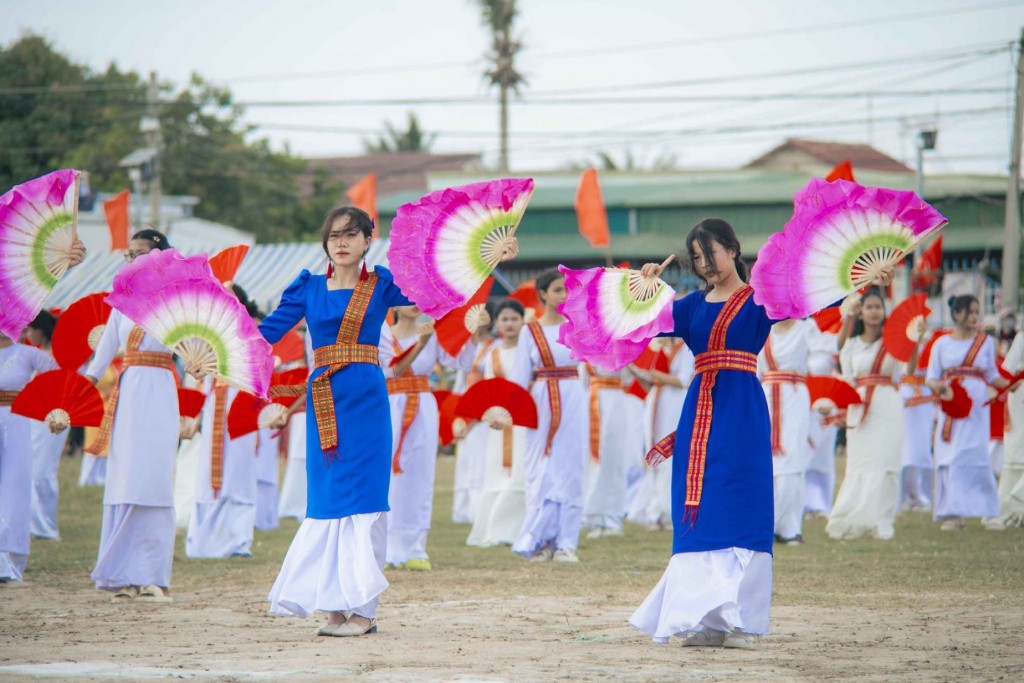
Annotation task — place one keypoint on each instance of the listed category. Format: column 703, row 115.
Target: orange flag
column 364, row 196
column 842, row 171
column 590, row 211
column 116, row 210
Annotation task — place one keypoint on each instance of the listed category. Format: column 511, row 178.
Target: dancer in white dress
column 919, row 410
column 141, row 428
column 501, row 507
column 18, row 364
column 557, row 450
column 1011, row 483
column 652, row 506
column 293, row 486
column 470, row 449
column 610, row 446
column 820, row 474
column 414, row 423
column 47, row 447
column 268, row 442
column 782, row 367
column 965, row 485
column 868, row 499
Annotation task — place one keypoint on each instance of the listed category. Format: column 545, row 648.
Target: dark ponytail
column 510, row 305
column 156, row 239
column 960, row 303
column 714, row 230
column 251, row 308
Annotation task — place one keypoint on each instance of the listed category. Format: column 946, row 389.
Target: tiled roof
column 863, row 157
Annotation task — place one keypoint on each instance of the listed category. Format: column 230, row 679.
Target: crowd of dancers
column 753, row 456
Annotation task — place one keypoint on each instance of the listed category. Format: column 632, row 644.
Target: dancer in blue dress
column 718, row 584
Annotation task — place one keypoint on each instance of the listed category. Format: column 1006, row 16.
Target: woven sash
column 7, row 398
column 412, row 386
column 917, row 398
column 506, row 433
column 597, row 384
column 659, row 385
column 964, row 370
column 132, row 358
column 337, row 356
column 873, row 379
column 775, row 379
column 220, row 409
column 550, row 373
column 476, row 372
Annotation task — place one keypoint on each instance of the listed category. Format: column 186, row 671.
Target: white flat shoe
column 542, row 555
column 741, row 641
column 704, row 639
column 565, row 556
column 350, row 628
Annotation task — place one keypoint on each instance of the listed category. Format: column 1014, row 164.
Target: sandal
column 153, row 594
column 125, row 594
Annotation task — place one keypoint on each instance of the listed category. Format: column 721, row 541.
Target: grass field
column 927, row 605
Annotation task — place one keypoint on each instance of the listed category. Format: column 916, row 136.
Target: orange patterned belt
column 713, row 361
column 597, row 383
column 775, row 379
column 781, row 377
column 7, row 398
column 220, row 409
column 875, row 381
column 918, row 398
column 132, row 358
column 343, row 354
column 562, row 372
column 412, row 386
column 964, row 373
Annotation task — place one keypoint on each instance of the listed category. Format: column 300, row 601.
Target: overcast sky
column 953, row 56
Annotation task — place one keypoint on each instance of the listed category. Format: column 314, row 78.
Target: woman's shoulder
column 384, row 274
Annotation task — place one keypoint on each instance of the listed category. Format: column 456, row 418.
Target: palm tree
column 412, row 139
column 499, row 16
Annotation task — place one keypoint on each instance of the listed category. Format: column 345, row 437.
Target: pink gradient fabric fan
column 841, row 236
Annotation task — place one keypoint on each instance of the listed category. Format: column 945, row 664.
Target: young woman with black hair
column 556, row 451
column 501, row 507
column 717, row 588
column 965, row 485
column 47, row 447
column 140, row 436
column 868, row 500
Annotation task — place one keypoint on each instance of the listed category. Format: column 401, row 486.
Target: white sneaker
column 566, row 556
column 741, row 641
column 952, row 524
column 993, row 524
column 595, row 533
column 542, row 555
column 704, row 639
column 613, row 532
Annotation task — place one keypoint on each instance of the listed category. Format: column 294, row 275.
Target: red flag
column 590, row 211
column 926, row 271
column 116, row 210
column 842, row 171
column 364, row 196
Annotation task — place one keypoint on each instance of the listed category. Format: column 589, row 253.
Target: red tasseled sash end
column 330, row 454
column 661, row 451
column 690, row 515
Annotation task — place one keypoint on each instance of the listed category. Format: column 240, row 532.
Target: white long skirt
column 469, row 474
column 411, row 496
column 965, row 491
column 94, row 470
column 136, row 547
column 718, row 590
column 266, row 505
column 653, row 502
column 46, row 451
column 789, row 504
column 501, row 508
column 1011, row 496
column 868, row 499
column 292, row 502
column 333, row 565
column 220, row 529
column 185, row 479
column 15, row 492
column 820, row 475
column 549, row 524
column 12, row 566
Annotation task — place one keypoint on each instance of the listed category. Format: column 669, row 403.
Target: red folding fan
column 60, row 397
column 249, row 413
column 829, row 320
column 900, row 333
column 925, row 355
column 959, row 405
column 289, row 349
column 457, row 326
column 78, row 330
column 652, row 359
column 498, row 397
column 526, row 294
column 637, row 389
column 446, row 403
column 190, row 402
column 225, row 263
column 840, row 392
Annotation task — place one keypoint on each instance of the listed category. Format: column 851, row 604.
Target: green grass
column 920, row 566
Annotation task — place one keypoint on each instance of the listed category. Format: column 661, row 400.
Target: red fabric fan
column 79, row 329
column 960, row 404
column 499, row 397
column 526, row 294
column 834, row 389
column 652, row 359
column 457, row 326
column 289, row 349
column 249, row 413
column 637, row 390
column 925, row 355
column 60, row 397
column 225, row 263
column 446, row 403
column 900, row 333
column 289, row 377
column 190, row 402
column 829, row 320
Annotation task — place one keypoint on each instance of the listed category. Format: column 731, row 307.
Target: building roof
column 396, row 172
column 863, row 157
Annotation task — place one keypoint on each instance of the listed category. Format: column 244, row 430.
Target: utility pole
column 150, row 125
column 1012, row 236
